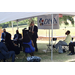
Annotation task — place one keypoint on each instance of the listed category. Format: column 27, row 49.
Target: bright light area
column 70, row 60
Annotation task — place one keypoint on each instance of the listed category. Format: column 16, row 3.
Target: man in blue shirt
column 3, row 35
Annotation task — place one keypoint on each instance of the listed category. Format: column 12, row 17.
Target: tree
column 65, row 18
column 9, row 23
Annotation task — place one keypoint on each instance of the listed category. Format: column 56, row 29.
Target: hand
column 4, row 39
column 32, row 31
column 16, row 39
column 29, row 30
column 15, row 44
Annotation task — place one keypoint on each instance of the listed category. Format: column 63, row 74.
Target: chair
column 25, row 46
column 54, row 40
column 66, row 47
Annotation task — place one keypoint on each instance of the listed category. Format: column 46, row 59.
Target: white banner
column 45, row 22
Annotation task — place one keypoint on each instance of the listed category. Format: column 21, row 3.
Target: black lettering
column 45, row 22
column 50, row 21
column 54, row 21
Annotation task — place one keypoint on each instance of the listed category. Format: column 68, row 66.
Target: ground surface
column 42, row 43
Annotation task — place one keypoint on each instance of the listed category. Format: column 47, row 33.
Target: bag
column 33, row 59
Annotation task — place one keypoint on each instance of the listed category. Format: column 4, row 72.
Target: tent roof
column 11, row 16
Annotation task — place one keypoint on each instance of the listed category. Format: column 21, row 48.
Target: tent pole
column 52, row 40
column 49, row 36
column 12, row 30
column 17, row 25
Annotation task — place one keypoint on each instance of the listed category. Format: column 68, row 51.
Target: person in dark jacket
column 34, row 30
column 10, row 44
column 18, row 39
column 7, row 54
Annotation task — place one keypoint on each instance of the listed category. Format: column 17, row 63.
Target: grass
column 46, row 57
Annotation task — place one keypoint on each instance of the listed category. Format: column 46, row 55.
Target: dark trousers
column 71, row 47
column 11, row 54
column 35, row 44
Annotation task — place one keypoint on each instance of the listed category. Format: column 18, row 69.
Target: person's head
column 32, row 23
column 8, row 36
column 26, row 37
column 68, row 32
column 4, row 30
column 17, row 32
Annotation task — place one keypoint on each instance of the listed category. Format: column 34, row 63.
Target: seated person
column 3, row 35
column 18, row 39
column 71, row 48
column 65, row 42
column 27, row 40
column 7, row 54
column 10, row 45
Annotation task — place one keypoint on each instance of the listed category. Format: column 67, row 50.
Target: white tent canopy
column 11, row 16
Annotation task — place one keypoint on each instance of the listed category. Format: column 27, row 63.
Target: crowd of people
column 11, row 48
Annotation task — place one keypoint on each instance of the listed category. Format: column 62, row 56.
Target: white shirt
column 32, row 28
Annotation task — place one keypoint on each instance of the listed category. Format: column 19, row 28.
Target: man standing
column 18, row 39
column 3, row 35
column 34, row 30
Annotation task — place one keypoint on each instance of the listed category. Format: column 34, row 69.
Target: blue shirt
column 3, row 36
column 31, row 49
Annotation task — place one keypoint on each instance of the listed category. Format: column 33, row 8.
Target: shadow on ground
column 46, row 57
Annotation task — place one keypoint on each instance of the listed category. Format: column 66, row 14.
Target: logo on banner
column 41, row 21
column 47, row 21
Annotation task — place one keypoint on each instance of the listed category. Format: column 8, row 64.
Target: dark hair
column 26, row 38
column 32, row 22
column 17, row 32
column 8, row 36
column 68, row 32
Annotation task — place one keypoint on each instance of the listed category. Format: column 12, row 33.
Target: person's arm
column 2, row 37
column 20, row 37
column 15, row 44
column 68, row 39
column 32, row 43
column 15, row 38
column 4, row 47
column 35, row 29
column 29, row 29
